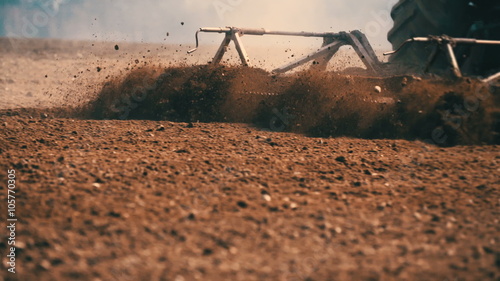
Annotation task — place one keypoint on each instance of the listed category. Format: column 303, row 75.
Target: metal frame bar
column 450, row 54
column 362, row 47
column 222, row 49
column 240, row 48
column 491, row 78
column 325, row 51
column 327, row 57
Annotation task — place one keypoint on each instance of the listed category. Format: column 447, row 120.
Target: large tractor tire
column 456, row 18
column 420, row 18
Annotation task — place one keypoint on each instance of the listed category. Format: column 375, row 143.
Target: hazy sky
column 150, row 20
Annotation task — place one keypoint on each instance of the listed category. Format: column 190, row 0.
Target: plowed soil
column 131, row 170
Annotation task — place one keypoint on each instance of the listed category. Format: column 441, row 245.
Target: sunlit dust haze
column 175, row 21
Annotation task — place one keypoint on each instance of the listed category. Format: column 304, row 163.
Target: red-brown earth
column 200, row 183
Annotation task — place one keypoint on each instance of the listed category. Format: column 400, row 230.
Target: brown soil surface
column 347, row 192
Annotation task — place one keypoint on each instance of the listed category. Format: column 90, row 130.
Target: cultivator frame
column 332, row 43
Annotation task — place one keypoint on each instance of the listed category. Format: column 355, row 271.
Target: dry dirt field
column 129, row 170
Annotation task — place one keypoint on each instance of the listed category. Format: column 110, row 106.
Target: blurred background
column 175, row 21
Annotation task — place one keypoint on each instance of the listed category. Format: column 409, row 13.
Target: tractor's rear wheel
column 456, row 18
column 420, row 18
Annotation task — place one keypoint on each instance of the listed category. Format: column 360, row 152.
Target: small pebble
column 20, row 244
column 378, row 89
column 404, row 82
column 417, row 215
column 45, row 264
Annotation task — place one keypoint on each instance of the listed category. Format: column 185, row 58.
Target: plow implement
column 332, row 42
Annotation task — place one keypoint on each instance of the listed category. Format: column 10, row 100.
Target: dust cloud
column 323, row 104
